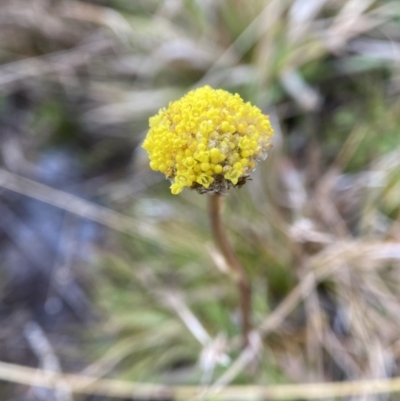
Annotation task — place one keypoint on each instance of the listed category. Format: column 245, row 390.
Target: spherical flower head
column 209, row 140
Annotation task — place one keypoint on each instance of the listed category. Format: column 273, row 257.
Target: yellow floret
column 189, row 162
column 207, row 134
column 233, row 176
column 215, row 152
column 176, row 189
column 205, row 180
column 182, row 180
column 218, row 169
column 205, row 166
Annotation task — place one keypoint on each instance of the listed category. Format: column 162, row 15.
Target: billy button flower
column 209, row 140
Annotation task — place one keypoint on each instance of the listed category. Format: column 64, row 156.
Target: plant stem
column 235, row 268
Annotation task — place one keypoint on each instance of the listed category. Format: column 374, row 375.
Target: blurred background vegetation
column 103, row 272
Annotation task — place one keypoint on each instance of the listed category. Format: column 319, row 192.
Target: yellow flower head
column 208, row 140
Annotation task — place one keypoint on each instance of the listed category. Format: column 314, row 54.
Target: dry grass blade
column 41, row 346
column 176, row 302
column 256, row 29
column 122, row 389
column 59, row 62
column 75, row 205
column 367, row 255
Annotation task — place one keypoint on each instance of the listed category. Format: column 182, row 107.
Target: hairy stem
column 235, row 268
